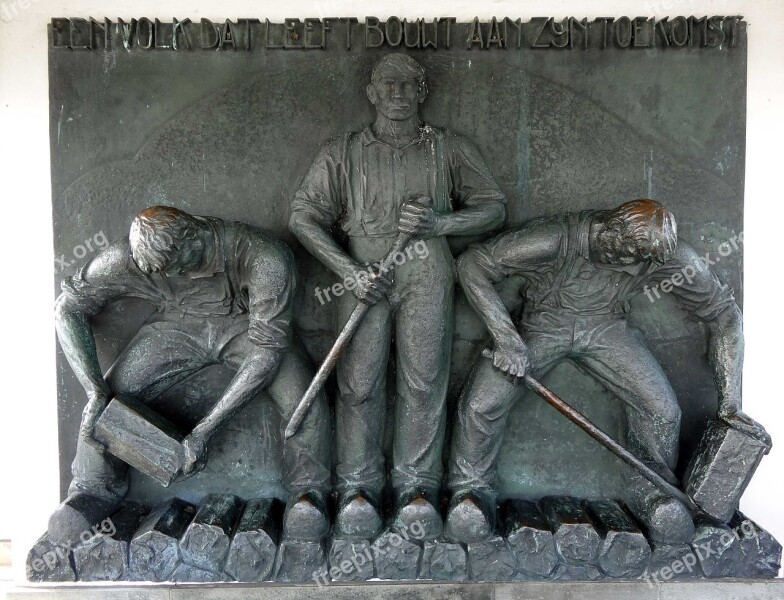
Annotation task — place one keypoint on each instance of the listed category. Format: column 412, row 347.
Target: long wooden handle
column 579, row 419
column 349, row 329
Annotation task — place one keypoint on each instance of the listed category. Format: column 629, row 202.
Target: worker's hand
column 370, row 287
column 739, row 420
column 418, row 219
column 511, row 358
column 96, row 403
column 195, row 454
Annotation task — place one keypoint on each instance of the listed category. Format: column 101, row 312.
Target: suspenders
column 356, row 182
column 552, row 297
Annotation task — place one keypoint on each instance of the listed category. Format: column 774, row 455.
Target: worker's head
column 397, row 87
column 637, row 231
column 166, row 240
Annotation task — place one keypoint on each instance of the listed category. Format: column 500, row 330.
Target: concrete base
column 600, row 590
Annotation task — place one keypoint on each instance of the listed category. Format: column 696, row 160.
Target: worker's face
column 176, row 262
column 396, row 96
column 617, row 248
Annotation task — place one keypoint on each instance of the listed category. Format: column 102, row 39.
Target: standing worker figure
column 395, row 176
column 578, row 271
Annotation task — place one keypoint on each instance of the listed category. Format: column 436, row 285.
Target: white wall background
column 28, row 421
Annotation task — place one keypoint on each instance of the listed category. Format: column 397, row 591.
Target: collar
column 368, row 137
column 218, row 263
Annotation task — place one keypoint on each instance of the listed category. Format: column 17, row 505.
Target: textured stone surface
column 104, row 557
column 395, row 557
column 255, row 541
column 206, row 541
column 79, row 514
column 624, row 551
column 530, row 537
column 760, row 552
column 676, row 561
column 721, row 468
column 298, row 561
column 575, row 536
column 154, row 552
column 444, row 561
column 48, row 562
column 188, row 573
column 717, row 548
column 491, row 560
column 350, row 560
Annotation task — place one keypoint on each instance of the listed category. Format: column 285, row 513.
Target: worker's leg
column 482, row 415
column 360, row 415
column 160, row 355
column 616, row 354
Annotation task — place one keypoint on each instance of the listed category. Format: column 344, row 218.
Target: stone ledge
column 605, row 543
column 738, row 589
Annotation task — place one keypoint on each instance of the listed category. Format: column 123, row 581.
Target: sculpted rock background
column 231, row 135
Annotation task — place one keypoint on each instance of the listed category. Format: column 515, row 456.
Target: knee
column 478, row 406
column 356, row 394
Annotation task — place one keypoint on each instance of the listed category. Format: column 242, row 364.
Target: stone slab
column 491, row 560
column 351, row 560
column 140, row 437
column 442, row 560
column 255, row 541
column 722, row 467
column 300, row 562
column 530, row 538
column 154, row 552
column 104, row 557
column 395, row 558
column 206, row 541
column 575, row 535
column 604, row 590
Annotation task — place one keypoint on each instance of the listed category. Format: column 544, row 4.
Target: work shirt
column 249, row 274
column 572, row 283
column 361, row 182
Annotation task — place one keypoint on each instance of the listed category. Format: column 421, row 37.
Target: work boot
column 471, row 517
column 306, row 518
column 418, row 515
column 358, row 516
column 79, row 513
column 666, row 520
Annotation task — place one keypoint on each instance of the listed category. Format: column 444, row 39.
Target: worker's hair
column 156, row 232
column 403, row 64
column 649, row 225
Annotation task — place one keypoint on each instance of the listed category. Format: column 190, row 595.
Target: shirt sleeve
column 521, row 251
column 110, row 275
column 321, row 193
column 473, row 183
column 693, row 284
column 267, row 272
